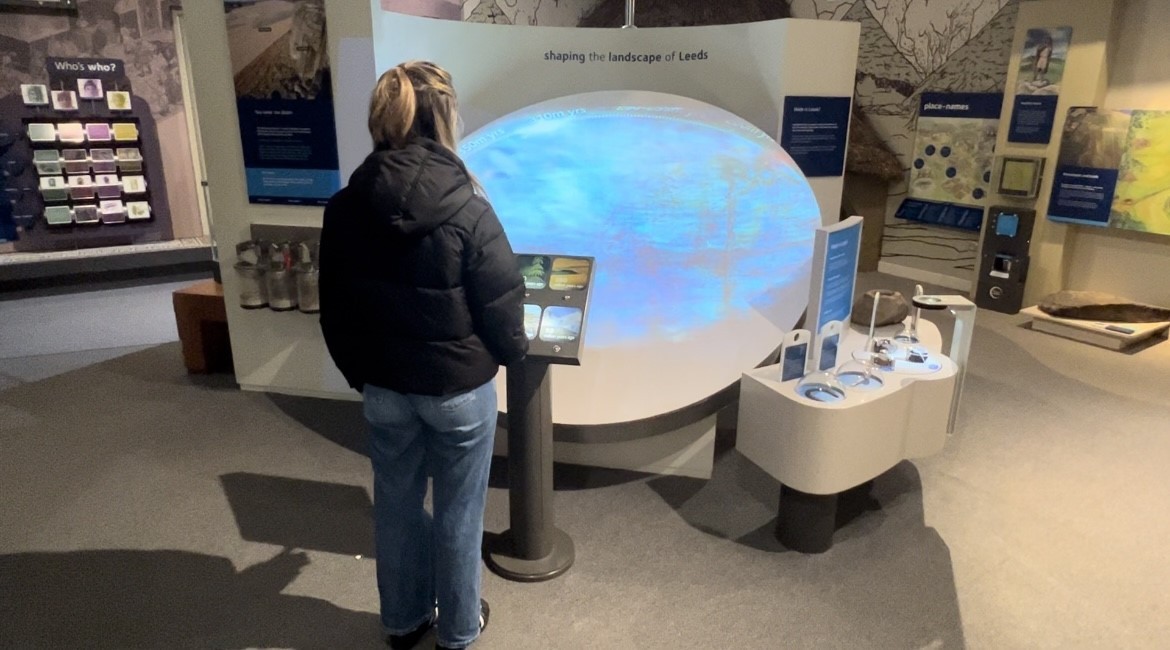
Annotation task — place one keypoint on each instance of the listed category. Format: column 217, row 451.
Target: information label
column 815, row 133
column 1033, row 117
column 1083, row 195
column 834, row 276
column 954, row 151
column 1038, row 84
column 284, row 100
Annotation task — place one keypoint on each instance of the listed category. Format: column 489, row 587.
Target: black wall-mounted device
column 1003, row 269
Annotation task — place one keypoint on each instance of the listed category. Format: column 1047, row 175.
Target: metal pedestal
column 532, row 549
column 806, row 522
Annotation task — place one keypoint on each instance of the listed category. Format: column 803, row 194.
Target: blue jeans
column 425, row 559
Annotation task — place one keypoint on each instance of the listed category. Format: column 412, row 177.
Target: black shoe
column 411, row 638
column 485, row 612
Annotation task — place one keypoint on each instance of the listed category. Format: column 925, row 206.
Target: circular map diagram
column 701, row 225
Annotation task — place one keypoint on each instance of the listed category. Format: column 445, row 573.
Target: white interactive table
column 818, row 450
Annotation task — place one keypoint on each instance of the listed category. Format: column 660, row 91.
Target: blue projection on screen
column 694, row 215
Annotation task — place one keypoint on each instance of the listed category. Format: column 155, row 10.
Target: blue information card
column 815, row 133
column 835, row 252
column 1082, row 195
column 1033, row 117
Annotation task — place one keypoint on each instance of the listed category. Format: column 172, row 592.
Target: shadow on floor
column 296, row 513
column 885, row 562
column 339, row 421
column 342, row 423
column 569, row 478
column 738, row 490
column 167, row 599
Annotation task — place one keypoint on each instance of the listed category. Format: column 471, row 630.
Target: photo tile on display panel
column 76, row 161
column 40, row 132
column 125, row 131
column 34, row 94
column 112, row 212
column 129, row 159
column 531, row 321
column 71, row 132
column 58, row 215
column 86, row 214
column 98, row 132
column 64, row 100
column 90, row 88
column 81, row 188
column 534, row 268
column 47, row 161
column 137, row 210
column 560, row 324
column 134, row 184
column 108, row 187
column 102, row 161
column 118, row 100
column 54, row 188
column 569, row 274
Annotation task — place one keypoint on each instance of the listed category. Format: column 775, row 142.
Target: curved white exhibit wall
column 653, row 150
column 500, row 70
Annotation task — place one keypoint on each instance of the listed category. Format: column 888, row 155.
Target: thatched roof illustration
column 868, row 153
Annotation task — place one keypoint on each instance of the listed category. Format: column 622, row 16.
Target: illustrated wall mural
column 549, row 13
column 908, row 47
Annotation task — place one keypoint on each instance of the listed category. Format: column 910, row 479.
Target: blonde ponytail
column 413, row 99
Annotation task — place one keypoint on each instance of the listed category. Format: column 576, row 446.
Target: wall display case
column 80, row 147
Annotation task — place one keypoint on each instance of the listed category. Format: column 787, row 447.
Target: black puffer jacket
column 420, row 290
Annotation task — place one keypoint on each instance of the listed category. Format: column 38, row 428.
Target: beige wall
column 277, row 350
column 1130, row 264
column 1084, row 84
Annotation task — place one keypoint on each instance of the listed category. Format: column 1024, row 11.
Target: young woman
column 420, row 304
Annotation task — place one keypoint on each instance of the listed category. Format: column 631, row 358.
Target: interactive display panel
column 1020, row 176
column 556, row 304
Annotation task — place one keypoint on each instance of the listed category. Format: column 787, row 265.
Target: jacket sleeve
column 338, row 325
column 495, row 290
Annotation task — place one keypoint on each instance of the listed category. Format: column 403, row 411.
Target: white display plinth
column 827, row 448
column 1113, row 336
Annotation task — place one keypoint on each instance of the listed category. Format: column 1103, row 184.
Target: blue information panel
column 840, row 274
column 815, row 133
column 834, row 274
column 284, row 99
column 970, row 106
column 290, row 150
column 1083, row 195
column 953, row 156
column 964, row 217
column 1033, row 117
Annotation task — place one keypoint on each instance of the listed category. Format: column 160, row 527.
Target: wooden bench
column 201, row 317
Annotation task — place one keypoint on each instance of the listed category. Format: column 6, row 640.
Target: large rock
column 892, row 308
column 1093, row 305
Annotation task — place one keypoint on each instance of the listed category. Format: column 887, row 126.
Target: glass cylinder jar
column 282, row 289
column 253, row 286
column 308, row 290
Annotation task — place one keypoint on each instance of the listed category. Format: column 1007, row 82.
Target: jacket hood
column 415, row 189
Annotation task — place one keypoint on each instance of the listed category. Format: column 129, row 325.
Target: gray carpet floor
column 142, row 507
